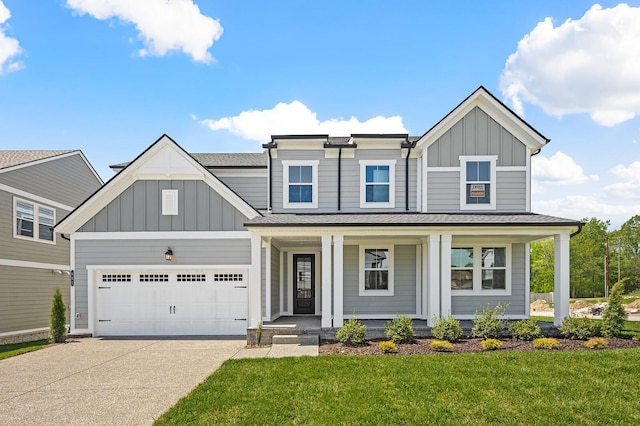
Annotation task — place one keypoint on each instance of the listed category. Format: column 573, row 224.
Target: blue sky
column 109, row 77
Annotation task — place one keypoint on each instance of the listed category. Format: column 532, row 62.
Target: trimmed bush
column 400, row 329
column 491, row 344
column 614, row 314
column 596, row 343
column 57, row 327
column 447, row 329
column 352, row 333
column 387, row 347
column 547, row 343
column 441, row 345
column 525, row 330
column 489, row 322
column 579, row 328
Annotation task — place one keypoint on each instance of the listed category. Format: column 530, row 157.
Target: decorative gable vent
column 169, row 202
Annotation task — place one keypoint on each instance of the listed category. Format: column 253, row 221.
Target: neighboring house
column 376, row 224
column 37, row 189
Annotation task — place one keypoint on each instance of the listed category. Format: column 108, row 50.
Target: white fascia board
column 143, row 168
column 495, row 110
column 36, row 198
column 161, row 235
column 301, row 144
column 36, row 265
column 94, row 268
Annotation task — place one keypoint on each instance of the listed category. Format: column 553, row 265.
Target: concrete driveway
column 106, row 382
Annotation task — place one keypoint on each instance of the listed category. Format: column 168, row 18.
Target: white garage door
column 164, row 303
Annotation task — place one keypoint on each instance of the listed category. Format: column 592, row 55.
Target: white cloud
column 588, row 65
column 629, row 188
column 9, row 47
column 297, row 118
column 163, row 25
column 581, row 206
column 559, row 169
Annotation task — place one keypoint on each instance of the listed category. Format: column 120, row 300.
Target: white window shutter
column 169, row 202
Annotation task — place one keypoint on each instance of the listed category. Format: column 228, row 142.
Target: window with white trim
column 33, row 221
column 377, row 183
column 300, row 184
column 478, row 182
column 481, row 269
column 376, row 270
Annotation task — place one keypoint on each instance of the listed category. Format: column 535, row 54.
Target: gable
column 476, row 134
column 164, row 160
column 139, row 209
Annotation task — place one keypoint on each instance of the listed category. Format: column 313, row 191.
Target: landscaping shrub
column 387, row 347
column 524, row 330
column 579, row 328
column 548, row 343
column 352, row 333
column 441, row 345
column 596, row 343
column 491, row 344
column 488, row 322
column 447, row 328
column 614, row 314
column 400, row 329
column 57, row 327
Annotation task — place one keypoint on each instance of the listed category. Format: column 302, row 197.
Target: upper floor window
column 33, row 221
column 300, row 184
column 478, row 182
column 480, row 269
column 377, row 183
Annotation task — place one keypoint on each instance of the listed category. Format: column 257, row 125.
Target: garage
column 170, row 302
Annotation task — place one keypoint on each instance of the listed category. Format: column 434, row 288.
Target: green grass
column 13, row 349
column 511, row 388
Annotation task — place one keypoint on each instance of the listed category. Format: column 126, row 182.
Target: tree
column 542, row 261
column 587, row 259
column 614, row 315
column 57, row 328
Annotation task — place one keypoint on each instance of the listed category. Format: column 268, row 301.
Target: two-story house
column 37, row 188
column 376, row 224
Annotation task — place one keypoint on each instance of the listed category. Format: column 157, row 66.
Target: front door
column 304, row 284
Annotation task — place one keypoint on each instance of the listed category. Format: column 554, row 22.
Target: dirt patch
column 633, row 305
column 421, row 347
column 579, row 304
column 540, row 306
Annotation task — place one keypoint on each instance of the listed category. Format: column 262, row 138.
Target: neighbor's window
column 480, row 269
column 300, row 184
column 477, row 189
column 377, row 186
column 34, row 221
column 376, row 271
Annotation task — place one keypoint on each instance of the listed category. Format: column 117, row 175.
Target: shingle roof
column 224, row 160
column 411, row 219
column 15, row 158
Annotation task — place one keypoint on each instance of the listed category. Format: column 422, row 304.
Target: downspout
column 577, row 232
column 406, row 179
column 68, row 239
column 270, row 193
column 339, row 174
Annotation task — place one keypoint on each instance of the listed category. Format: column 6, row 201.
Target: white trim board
column 36, row 265
column 161, row 235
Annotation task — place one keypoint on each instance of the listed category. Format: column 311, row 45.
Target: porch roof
column 410, row 219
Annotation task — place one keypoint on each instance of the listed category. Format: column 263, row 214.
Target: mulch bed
column 421, row 347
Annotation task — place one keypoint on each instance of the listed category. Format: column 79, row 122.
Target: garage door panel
column 155, row 303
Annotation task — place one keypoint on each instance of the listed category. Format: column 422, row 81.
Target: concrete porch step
column 295, row 339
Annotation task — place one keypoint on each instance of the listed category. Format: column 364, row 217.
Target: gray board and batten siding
column 349, row 180
column 139, row 209
column 404, row 296
column 66, row 180
column 252, row 189
column 468, row 305
column 151, row 252
column 476, row 134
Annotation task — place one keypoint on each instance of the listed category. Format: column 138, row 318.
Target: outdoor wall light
column 168, row 255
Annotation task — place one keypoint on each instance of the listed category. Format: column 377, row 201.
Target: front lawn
column 13, row 349
column 581, row 387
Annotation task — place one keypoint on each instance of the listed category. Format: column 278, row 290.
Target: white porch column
column 254, row 290
column 561, row 277
column 445, row 274
column 325, row 321
column 338, row 277
column 432, row 264
column 266, row 245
